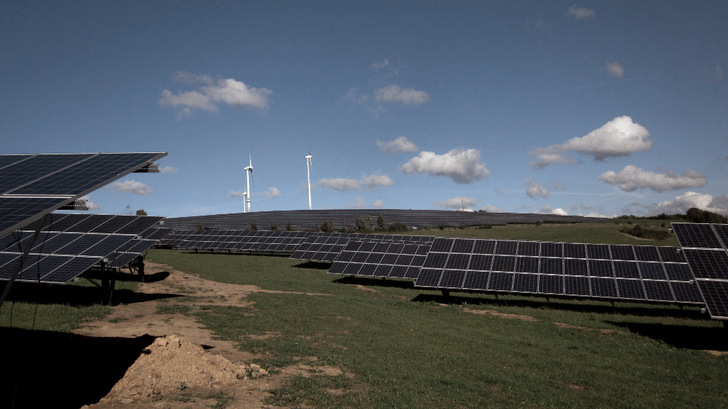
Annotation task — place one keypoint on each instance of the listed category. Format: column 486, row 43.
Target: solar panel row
column 705, row 247
column 69, row 244
column 34, row 185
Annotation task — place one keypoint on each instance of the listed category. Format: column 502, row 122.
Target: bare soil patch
column 186, row 366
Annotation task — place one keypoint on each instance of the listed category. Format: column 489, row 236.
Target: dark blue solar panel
column 598, row 251
column 603, row 287
column 716, row 297
column 484, row 246
column 527, row 265
column 549, row 249
column 622, row 252
column 500, row 281
column 481, row 262
column 476, row 280
column 696, row 235
column 504, row 263
column 626, row 269
column 525, row 283
column 576, row 286
column 574, row 250
column 646, row 253
column 678, row 272
column 507, row 247
column 575, row 267
column 686, row 292
column 671, row 254
column 458, row 261
column 463, row 246
column 551, row 284
column 552, row 266
column 711, row 264
column 630, row 289
column 452, row 279
column 429, row 277
column 658, row 290
column 600, row 268
column 652, row 271
column 529, row 248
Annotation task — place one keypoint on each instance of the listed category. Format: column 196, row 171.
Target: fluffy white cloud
column 225, row 91
column 615, row 69
column 167, row 169
column 458, row 203
column 372, row 181
column 358, row 204
column 462, row 166
column 406, row 96
column 618, row 137
column 340, row 184
column 632, row 178
column 366, row 183
column 378, row 204
column 580, row 13
column 132, row 186
column 401, row 144
column 89, row 203
column 549, row 209
column 534, row 189
column 272, row 193
column 682, row 203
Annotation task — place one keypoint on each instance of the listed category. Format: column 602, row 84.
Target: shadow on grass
column 75, row 295
column 679, row 336
column 578, row 305
column 315, row 265
column 61, row 370
column 381, row 282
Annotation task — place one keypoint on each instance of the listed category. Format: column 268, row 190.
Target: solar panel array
column 345, row 219
column 385, row 257
column 647, row 273
column 69, row 244
column 322, row 246
column 705, row 248
column 236, row 240
column 34, row 185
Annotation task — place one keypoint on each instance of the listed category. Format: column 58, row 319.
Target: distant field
column 405, row 347
column 577, row 233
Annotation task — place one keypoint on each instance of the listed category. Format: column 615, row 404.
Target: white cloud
column 462, row 166
column 358, row 204
column 132, row 186
column 89, row 203
column 632, row 178
column 379, row 65
column 458, row 203
column 615, row 69
column 378, row 204
column 167, row 169
column 550, row 156
column 548, row 209
column 238, row 193
column 618, row 137
column 208, row 98
column 372, row 181
column 401, row 144
column 580, row 13
column 406, row 96
column 682, row 203
column 534, row 189
column 340, row 184
column 366, row 183
column 272, row 193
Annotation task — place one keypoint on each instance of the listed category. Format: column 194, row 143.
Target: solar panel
column 383, row 256
column 696, row 235
column 34, row 185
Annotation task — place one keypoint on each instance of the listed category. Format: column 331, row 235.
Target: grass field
column 401, row 347
column 406, row 347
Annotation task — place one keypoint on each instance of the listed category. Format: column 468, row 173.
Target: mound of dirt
column 170, row 366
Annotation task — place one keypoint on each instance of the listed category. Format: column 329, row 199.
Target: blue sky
column 591, row 108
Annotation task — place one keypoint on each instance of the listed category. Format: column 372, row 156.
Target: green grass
column 608, row 232
column 404, row 347
column 61, row 308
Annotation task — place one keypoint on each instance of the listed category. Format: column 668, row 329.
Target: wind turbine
column 246, row 196
column 308, row 171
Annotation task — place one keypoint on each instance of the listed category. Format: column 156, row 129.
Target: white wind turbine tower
column 308, row 171
column 246, row 195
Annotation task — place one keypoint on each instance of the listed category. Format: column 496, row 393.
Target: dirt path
column 186, row 367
